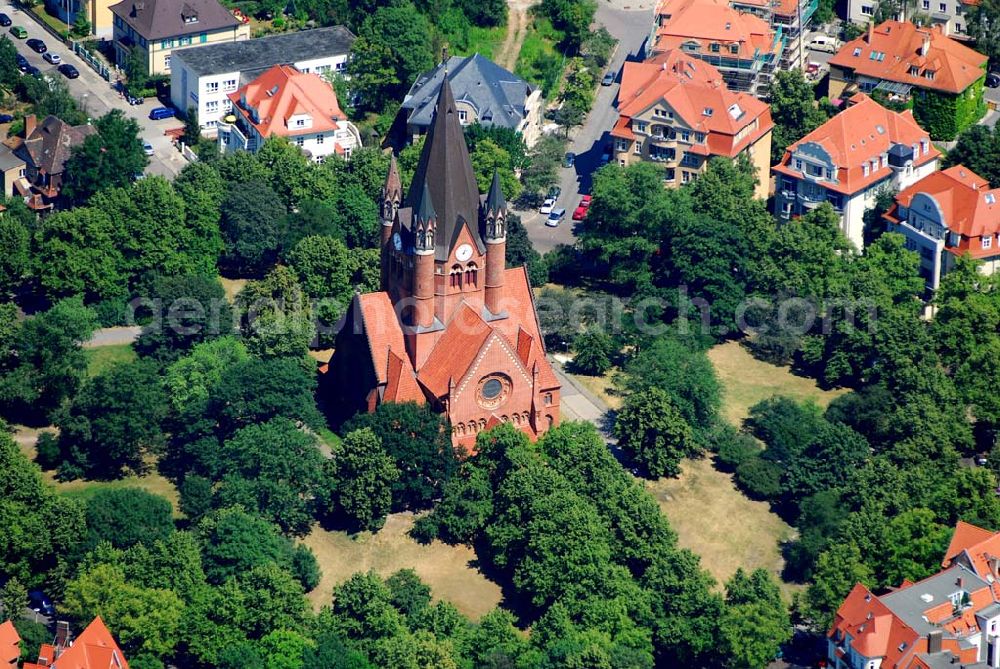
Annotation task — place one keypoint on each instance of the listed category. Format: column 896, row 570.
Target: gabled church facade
column 451, row 327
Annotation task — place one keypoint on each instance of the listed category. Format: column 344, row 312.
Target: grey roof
column 48, row 147
column 156, row 19
column 497, row 95
column 908, row 605
column 264, row 52
column 8, row 160
column 946, row 660
column 445, row 173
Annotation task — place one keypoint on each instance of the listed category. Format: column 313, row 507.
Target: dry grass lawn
column 232, row 287
column 446, row 569
column 715, row 520
column 602, row 387
column 746, row 381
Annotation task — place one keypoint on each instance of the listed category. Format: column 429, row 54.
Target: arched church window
column 471, row 274
column 455, row 277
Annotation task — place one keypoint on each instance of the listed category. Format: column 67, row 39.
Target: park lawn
column 746, row 380
column 446, row 569
column 100, row 358
column 716, row 521
column 602, row 387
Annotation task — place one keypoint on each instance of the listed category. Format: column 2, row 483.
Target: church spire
column 495, row 201
column 393, row 188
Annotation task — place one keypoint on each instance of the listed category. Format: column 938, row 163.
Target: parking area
column 95, row 95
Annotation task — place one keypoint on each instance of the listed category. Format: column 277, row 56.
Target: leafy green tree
column 793, row 109
column 51, row 97
column 913, row 546
column 113, row 422
column 273, row 469
column 361, row 475
column 193, row 310
column 13, row 599
column 195, row 496
column 838, row 569
column 489, row 13
column 76, row 253
column 543, row 163
column 14, row 239
column 284, row 649
column 489, row 157
column 251, row 229
column 277, row 318
column 110, row 158
column 521, row 252
column 395, row 44
column 327, row 272
column 9, row 72
column 190, row 380
column 81, row 25
column 33, row 635
column 978, row 149
column 592, row 349
column 982, row 22
column 408, row 593
column 756, row 621
column 572, row 17
column 653, row 431
column 124, row 517
column 44, row 364
column 418, row 439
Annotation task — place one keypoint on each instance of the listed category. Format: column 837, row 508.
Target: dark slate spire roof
column 425, row 212
column 445, row 173
column 393, row 188
column 495, row 201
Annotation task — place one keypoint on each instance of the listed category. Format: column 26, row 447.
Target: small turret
column 495, row 211
column 495, row 219
column 392, row 195
column 424, row 230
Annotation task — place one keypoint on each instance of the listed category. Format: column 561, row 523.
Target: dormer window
column 990, row 198
column 929, row 74
column 707, row 111
column 734, row 49
column 924, row 146
column 857, row 51
column 864, row 169
column 914, row 71
column 987, row 242
column 714, row 47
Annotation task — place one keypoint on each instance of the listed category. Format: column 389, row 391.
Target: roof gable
column 283, row 93
column 156, row 19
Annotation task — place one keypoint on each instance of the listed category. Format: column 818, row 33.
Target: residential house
column 951, row 16
column 742, row 46
column 12, row 166
column 950, row 620
column 45, row 150
column 151, row 30
column 285, row 102
column 787, row 16
column 94, row 648
column 676, row 110
column 946, row 215
column 203, row 77
column 98, row 13
column 10, row 646
column 849, row 159
column 939, row 78
column 485, row 93
column 451, row 327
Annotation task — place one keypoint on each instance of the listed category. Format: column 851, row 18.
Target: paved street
column 96, row 96
column 630, row 27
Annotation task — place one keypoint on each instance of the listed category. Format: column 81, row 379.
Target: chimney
column 871, row 32
column 934, row 641
column 925, row 45
column 958, row 581
column 30, row 121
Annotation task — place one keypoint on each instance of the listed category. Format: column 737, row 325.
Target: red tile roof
column 691, row 88
column 875, row 630
column 10, row 648
column 857, row 135
column 283, row 92
column 713, row 22
column 463, row 338
column 970, row 208
column 977, row 547
column 955, row 66
column 95, row 648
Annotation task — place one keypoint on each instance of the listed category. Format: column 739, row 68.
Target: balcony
column 237, row 141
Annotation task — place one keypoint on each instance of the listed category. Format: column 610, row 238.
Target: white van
column 822, row 43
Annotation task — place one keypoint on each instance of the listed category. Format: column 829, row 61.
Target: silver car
column 556, row 217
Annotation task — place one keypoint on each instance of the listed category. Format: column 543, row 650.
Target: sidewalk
column 578, row 403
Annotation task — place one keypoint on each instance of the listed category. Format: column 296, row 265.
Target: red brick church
column 451, row 327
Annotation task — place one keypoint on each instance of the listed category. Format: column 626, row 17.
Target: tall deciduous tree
column 361, row 475
column 76, row 253
column 978, row 148
column 127, row 516
column 793, row 109
column 392, row 50
column 193, row 309
column 653, row 431
column 592, row 351
column 110, row 158
column 251, row 229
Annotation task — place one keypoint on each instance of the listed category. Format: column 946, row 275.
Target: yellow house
column 98, row 13
column 152, row 29
column 677, row 111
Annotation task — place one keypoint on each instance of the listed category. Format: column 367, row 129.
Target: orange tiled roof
column 875, row 630
column 282, row 92
column 454, row 352
column 857, row 135
column 955, row 66
column 95, row 648
column 691, row 87
column 10, row 648
column 976, row 547
column 713, row 22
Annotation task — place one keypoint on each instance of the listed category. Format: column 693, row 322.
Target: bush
column 196, row 496
column 47, row 453
column 759, row 478
column 304, row 567
column 733, row 447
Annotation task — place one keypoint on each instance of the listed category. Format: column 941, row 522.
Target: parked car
column 52, row 58
column 19, row 32
column 33, row 71
column 823, row 43
column 6, row 118
column 609, row 78
column 39, row 602
column 554, row 191
column 69, row 71
column 4, row 20
column 993, row 80
column 556, row 217
column 147, row 148
column 585, row 202
column 982, row 460
column 580, row 213
column 547, row 206
column 160, row 113
column 569, row 160
column 37, row 45
column 22, row 62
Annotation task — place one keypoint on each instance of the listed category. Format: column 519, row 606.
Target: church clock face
column 463, row 253
column 397, row 241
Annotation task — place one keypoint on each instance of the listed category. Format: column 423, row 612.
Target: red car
column 580, row 213
column 585, row 201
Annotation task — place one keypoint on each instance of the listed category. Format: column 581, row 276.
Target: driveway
column 96, row 96
column 630, row 27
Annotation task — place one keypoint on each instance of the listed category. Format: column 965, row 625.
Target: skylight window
column 990, row 199
column 707, row 111
column 735, row 111
column 857, row 51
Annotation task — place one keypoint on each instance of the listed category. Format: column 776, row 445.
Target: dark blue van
column 160, row 113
